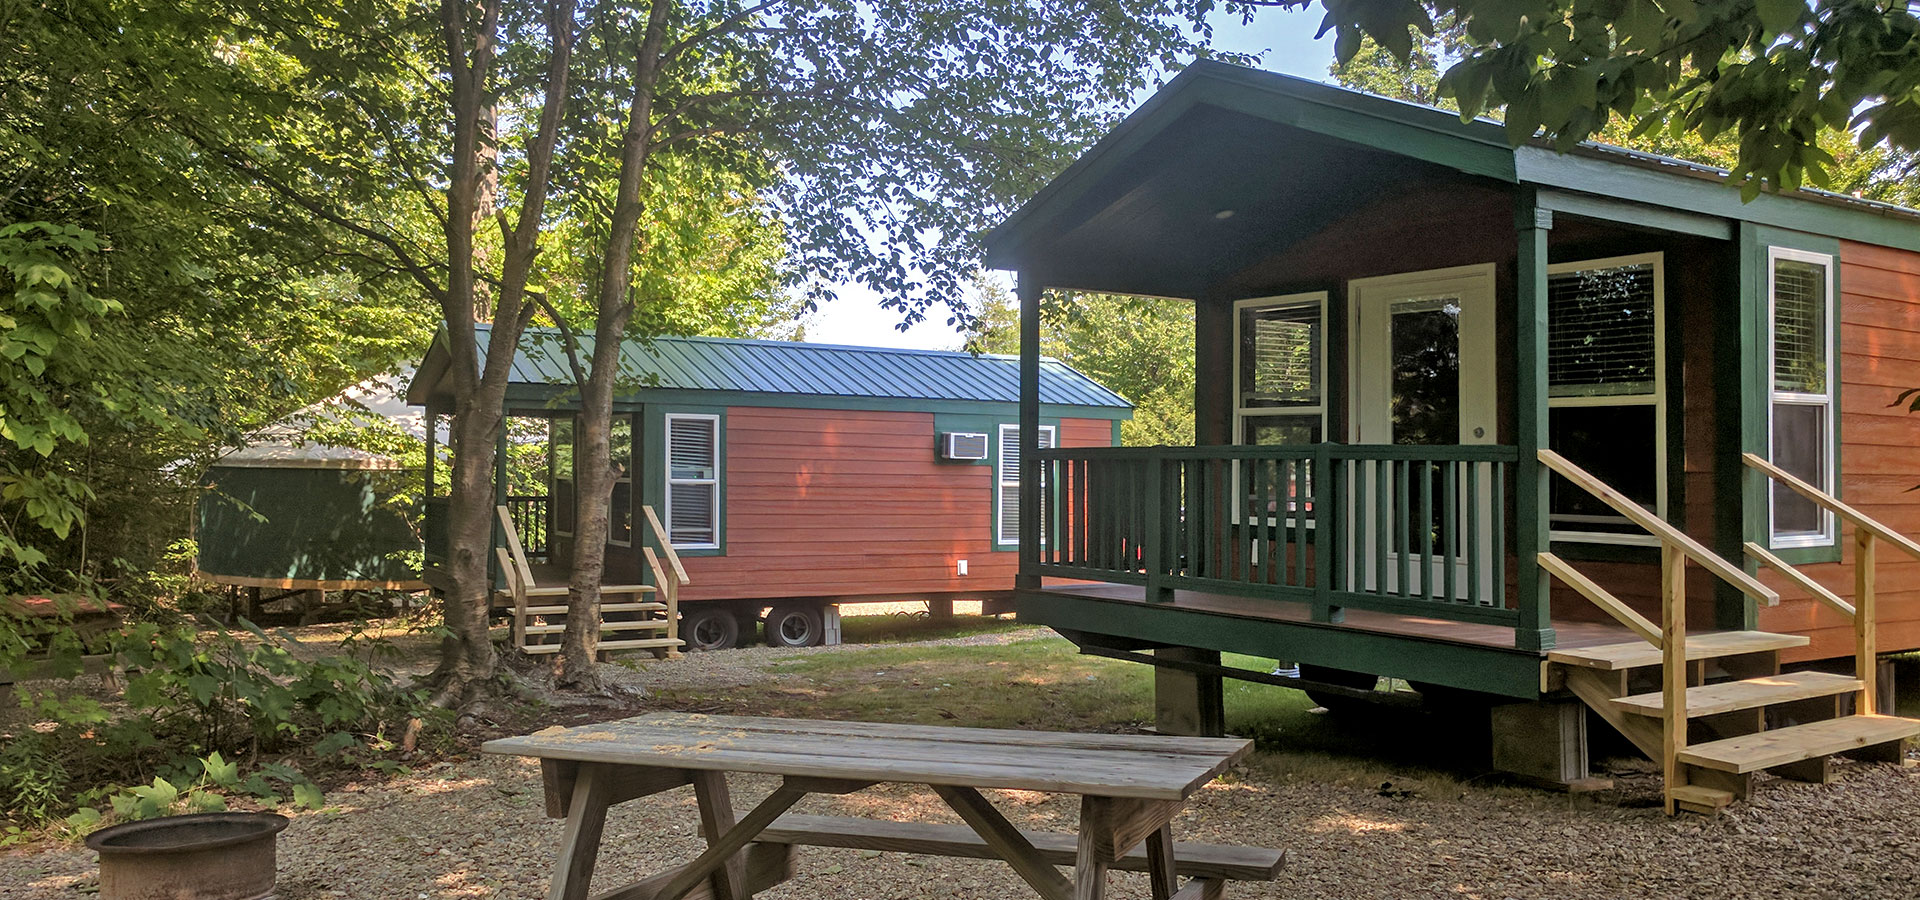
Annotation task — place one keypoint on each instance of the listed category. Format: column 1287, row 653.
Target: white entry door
column 1422, row 355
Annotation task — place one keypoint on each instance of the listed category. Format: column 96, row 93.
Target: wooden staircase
column 643, row 617
column 1714, row 708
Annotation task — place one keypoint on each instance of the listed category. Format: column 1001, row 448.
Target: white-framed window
column 1280, row 369
column 1607, row 391
column 620, row 505
column 1800, row 384
column 693, row 480
column 1006, row 485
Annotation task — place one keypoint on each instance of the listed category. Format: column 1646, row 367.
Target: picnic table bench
column 1131, row 787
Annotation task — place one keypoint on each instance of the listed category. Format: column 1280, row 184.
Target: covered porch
column 1396, row 313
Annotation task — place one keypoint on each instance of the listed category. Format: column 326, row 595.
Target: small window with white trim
column 1606, row 391
column 1007, row 482
column 1280, row 369
column 1800, row 414
column 693, row 480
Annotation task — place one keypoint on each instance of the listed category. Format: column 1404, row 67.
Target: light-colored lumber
column 1660, row 528
column 641, row 644
column 1700, row 799
column 1598, row 690
column 1006, row 841
column 1673, row 668
column 1599, row 596
column 1766, row 749
column 1866, row 655
column 1753, row 693
column 1216, row 861
column 1707, row 645
column 1091, row 855
column 666, row 545
column 1136, row 766
column 1791, row 573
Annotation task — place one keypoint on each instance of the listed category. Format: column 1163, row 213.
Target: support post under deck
column 1028, row 290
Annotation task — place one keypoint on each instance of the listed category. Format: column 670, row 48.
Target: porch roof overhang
column 1226, row 165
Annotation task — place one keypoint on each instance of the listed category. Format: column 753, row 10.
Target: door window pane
column 1426, row 371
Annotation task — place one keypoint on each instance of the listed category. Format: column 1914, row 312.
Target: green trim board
column 1494, row 670
column 1756, row 394
column 653, row 454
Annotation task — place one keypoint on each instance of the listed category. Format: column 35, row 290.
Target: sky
column 1285, row 41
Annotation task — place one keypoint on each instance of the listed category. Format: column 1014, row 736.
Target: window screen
column 1280, row 356
column 693, row 480
column 1601, row 331
column 1606, row 408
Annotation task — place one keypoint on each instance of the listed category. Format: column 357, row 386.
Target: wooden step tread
column 1191, row 860
column 656, row 625
column 1766, row 749
column 604, row 608
column 637, row 644
column 1706, row 645
column 1753, row 693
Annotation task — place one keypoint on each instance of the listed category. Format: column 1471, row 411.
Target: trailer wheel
column 1341, row 677
column 796, row 625
column 709, row 628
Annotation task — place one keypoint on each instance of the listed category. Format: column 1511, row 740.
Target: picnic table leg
column 1006, row 841
column 1161, row 875
column 580, row 846
column 1092, row 854
column 722, row 847
column 716, row 818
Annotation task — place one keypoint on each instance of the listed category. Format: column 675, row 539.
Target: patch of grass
column 892, row 629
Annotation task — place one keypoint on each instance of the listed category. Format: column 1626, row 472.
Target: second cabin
column 787, row 478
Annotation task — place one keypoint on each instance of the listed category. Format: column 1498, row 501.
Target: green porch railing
column 1405, row 529
column 529, row 513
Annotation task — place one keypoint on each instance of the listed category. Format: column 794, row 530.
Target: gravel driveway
column 474, row 828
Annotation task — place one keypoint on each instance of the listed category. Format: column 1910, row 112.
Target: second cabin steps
column 1743, row 715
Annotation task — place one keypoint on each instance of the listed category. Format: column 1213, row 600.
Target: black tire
column 796, row 625
column 1360, row 681
column 709, row 628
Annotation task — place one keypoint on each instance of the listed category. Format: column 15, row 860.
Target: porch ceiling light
column 1223, row 215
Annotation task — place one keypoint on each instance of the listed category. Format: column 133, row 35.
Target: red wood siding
column 1879, row 452
column 837, row 502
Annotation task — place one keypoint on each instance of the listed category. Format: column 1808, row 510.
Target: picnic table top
column 1148, row 767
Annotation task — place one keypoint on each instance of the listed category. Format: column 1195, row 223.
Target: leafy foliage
column 1141, row 347
column 1773, row 74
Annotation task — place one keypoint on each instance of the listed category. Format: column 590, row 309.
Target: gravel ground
column 474, row 828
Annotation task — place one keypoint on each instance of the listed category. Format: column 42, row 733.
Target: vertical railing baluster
column 1450, row 527
column 1403, row 513
column 1272, row 508
column 1381, row 502
column 1499, row 471
column 1475, row 565
column 1426, row 528
column 1302, row 494
column 1083, row 506
column 1153, row 559
column 1189, row 500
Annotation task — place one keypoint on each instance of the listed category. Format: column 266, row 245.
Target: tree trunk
column 467, row 659
column 593, row 484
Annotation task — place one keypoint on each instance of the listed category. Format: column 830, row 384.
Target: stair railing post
column 1673, row 666
column 1865, row 659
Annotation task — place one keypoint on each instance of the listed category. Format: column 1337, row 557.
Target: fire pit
column 208, row 856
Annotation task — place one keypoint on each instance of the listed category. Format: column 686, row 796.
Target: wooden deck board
column 1730, row 696
column 1702, row 645
column 1140, row 766
column 1766, row 749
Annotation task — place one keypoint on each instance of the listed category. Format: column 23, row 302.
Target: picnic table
column 1131, row 787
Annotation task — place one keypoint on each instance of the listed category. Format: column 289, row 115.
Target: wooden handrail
column 1832, row 504
column 1659, row 528
column 1602, row 598
column 669, row 594
column 1818, row 590
column 666, row 545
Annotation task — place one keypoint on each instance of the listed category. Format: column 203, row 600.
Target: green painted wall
column 310, row 524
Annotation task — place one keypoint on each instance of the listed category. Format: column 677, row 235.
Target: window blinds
column 1281, row 354
column 1600, row 332
column 1799, row 326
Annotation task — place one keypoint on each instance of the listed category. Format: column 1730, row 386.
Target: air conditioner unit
column 963, row 445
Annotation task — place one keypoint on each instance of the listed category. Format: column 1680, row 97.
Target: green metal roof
column 799, row 368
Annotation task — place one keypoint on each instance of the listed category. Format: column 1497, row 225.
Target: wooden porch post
column 1535, row 628
column 1028, row 289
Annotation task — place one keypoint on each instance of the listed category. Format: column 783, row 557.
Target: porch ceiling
column 1212, row 195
